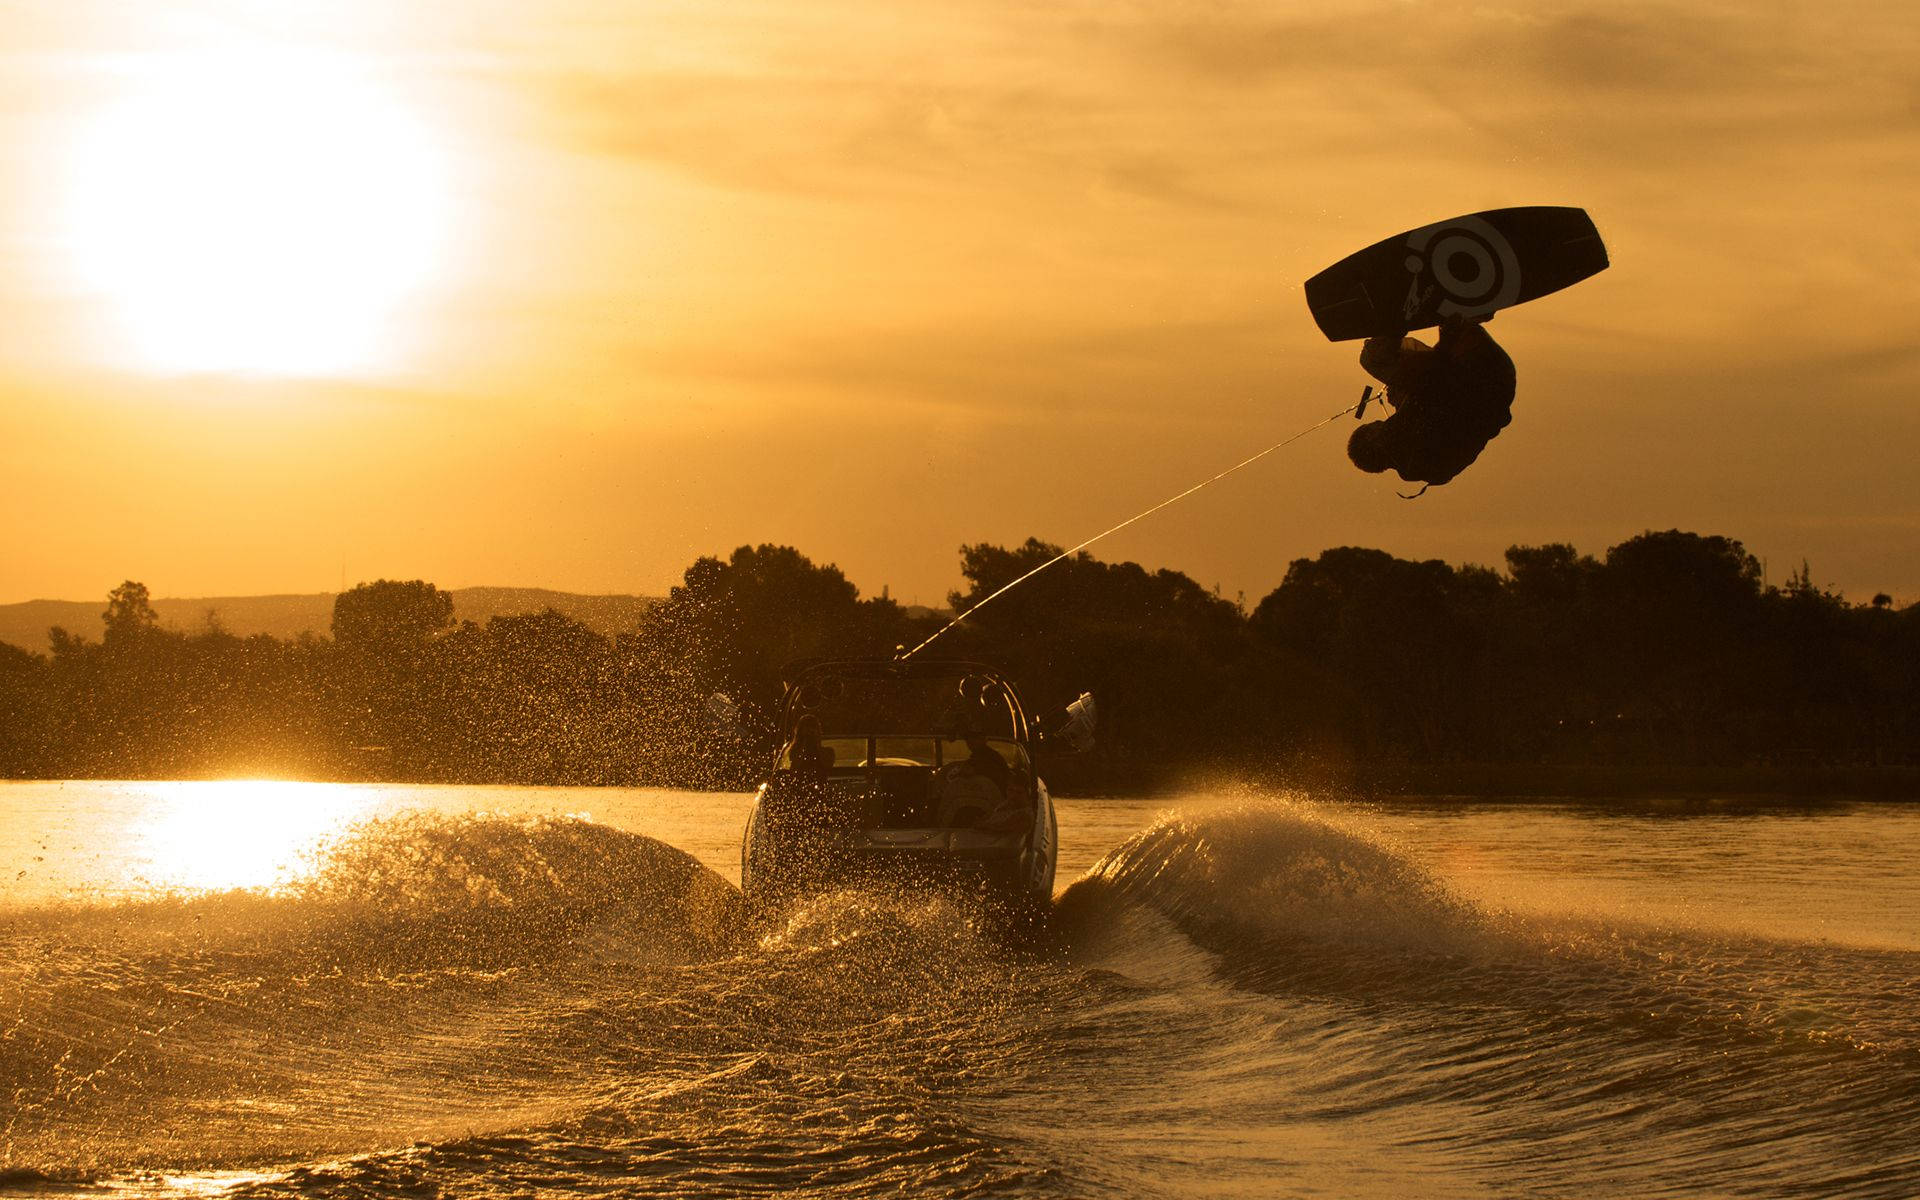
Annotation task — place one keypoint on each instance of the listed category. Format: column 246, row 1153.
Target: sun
column 254, row 211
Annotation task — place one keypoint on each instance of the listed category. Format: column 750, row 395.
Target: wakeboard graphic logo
column 1416, row 295
column 1469, row 261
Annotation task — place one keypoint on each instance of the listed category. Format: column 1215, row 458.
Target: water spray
column 1139, row 516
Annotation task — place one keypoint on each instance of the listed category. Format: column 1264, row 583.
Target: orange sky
column 566, row 294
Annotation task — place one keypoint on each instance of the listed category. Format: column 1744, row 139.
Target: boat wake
column 1260, row 999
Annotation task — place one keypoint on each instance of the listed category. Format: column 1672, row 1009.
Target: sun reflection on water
column 240, row 833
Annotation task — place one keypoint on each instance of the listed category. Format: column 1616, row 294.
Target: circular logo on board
column 1472, row 264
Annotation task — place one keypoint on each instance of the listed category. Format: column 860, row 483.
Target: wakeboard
column 1471, row 266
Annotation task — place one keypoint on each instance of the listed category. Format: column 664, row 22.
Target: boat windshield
column 925, row 707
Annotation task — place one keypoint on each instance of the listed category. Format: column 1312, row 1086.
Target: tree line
column 1668, row 650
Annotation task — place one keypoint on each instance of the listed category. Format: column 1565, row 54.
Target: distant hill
column 26, row 624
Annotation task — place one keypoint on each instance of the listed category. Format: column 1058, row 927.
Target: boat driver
column 985, row 761
column 979, row 789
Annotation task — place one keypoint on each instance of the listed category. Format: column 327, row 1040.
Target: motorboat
column 918, row 772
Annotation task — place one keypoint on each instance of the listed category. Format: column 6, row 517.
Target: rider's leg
column 1388, row 358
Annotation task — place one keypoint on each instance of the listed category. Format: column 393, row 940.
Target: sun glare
column 265, row 211
column 240, row 833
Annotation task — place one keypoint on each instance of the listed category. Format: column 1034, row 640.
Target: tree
column 1686, row 576
column 388, row 615
column 23, row 710
column 1080, row 593
column 67, row 647
column 1551, row 576
column 129, row 614
column 1553, row 673
column 394, row 693
column 732, row 626
column 1682, row 612
column 546, row 645
column 1389, row 639
column 742, row 620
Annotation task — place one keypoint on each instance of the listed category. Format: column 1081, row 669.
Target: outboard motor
column 1073, row 730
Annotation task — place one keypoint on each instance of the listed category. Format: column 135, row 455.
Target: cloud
column 1156, row 103
column 1144, row 373
column 792, row 134
column 1642, row 49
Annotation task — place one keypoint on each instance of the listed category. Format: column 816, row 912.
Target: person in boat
column 806, row 755
column 997, row 806
column 982, row 759
column 1449, row 400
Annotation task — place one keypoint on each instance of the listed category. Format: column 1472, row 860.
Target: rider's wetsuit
column 1449, row 402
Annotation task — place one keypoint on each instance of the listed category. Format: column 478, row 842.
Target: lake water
column 274, row 989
